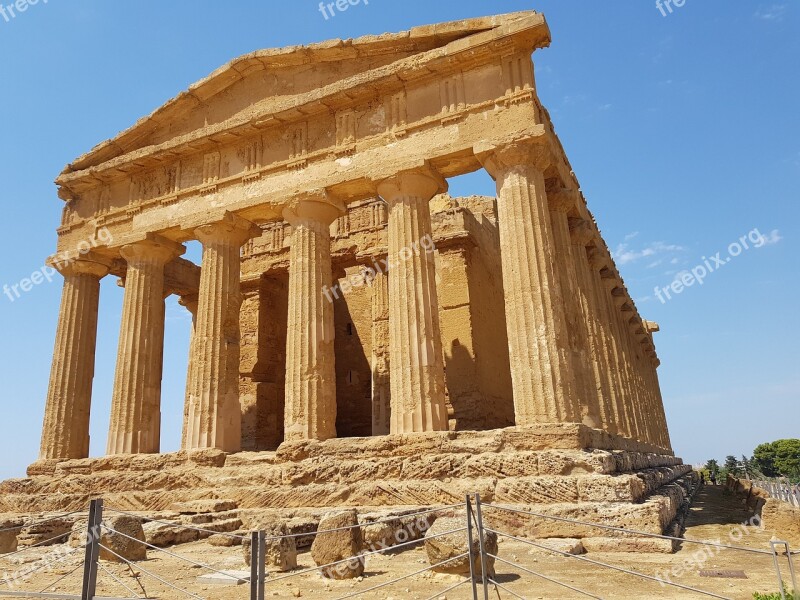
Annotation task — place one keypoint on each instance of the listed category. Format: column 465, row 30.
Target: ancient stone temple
column 359, row 336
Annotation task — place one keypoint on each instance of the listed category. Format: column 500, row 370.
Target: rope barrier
column 172, row 554
column 48, row 520
column 177, row 525
column 37, row 545
column 60, row 579
column 114, row 577
column 550, row 579
column 505, row 589
column 291, row 535
column 365, row 554
column 450, row 589
column 606, row 565
column 153, row 575
column 628, row 531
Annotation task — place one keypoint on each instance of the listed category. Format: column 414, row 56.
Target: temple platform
column 566, row 470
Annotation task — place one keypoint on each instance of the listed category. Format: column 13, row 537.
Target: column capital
column 314, row 206
column 89, row 264
column 581, row 232
column 598, row 260
column 651, row 326
column 190, row 302
column 153, row 249
column 230, row 228
column 423, row 182
column 564, row 200
column 498, row 159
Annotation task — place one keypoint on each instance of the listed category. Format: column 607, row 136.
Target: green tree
column 712, row 466
column 780, row 458
column 731, row 465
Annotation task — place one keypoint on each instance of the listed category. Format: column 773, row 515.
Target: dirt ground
column 716, row 515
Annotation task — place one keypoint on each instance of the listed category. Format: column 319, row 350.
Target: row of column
column 577, row 352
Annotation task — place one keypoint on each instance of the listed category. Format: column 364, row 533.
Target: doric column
column 415, row 341
column 215, row 416
column 537, row 331
column 190, row 302
column 381, row 392
column 584, row 394
column 65, row 433
column 617, row 390
column 310, row 408
column 599, row 402
column 136, row 400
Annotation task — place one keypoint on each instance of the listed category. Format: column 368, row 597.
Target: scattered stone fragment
column 442, row 547
column 337, row 546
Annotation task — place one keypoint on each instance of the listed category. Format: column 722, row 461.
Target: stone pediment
column 276, row 86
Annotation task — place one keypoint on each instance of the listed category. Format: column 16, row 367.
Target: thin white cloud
column 604, row 107
column 624, row 254
column 774, row 12
column 773, row 237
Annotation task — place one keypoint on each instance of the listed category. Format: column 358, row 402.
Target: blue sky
column 683, row 130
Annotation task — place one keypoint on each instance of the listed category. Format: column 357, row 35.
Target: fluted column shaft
column 191, row 303
column 537, row 332
column 617, row 390
column 65, row 433
column 135, row 425
column 215, row 419
column 310, row 407
column 381, row 387
column 415, row 343
column 583, row 393
column 600, row 399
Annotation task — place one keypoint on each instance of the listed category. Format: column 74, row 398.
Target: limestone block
column 561, row 545
column 224, row 541
column 194, row 507
column 38, row 533
column 280, row 551
column 8, row 539
column 783, row 519
column 339, row 545
column 120, row 544
column 443, row 547
column 162, row 535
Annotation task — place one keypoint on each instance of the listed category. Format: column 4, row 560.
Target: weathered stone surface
column 9, row 530
column 559, row 545
column 345, row 544
column 441, row 546
column 162, row 535
column 280, row 549
column 46, row 532
column 783, row 519
column 118, row 541
column 195, row 507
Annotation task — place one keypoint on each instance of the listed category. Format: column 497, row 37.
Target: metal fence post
column 92, row 555
column 253, row 565
column 262, row 563
column 484, row 574
column 471, row 552
column 785, row 544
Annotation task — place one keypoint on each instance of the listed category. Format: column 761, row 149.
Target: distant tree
column 712, row 466
column 778, row 458
column 731, row 465
column 746, row 466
